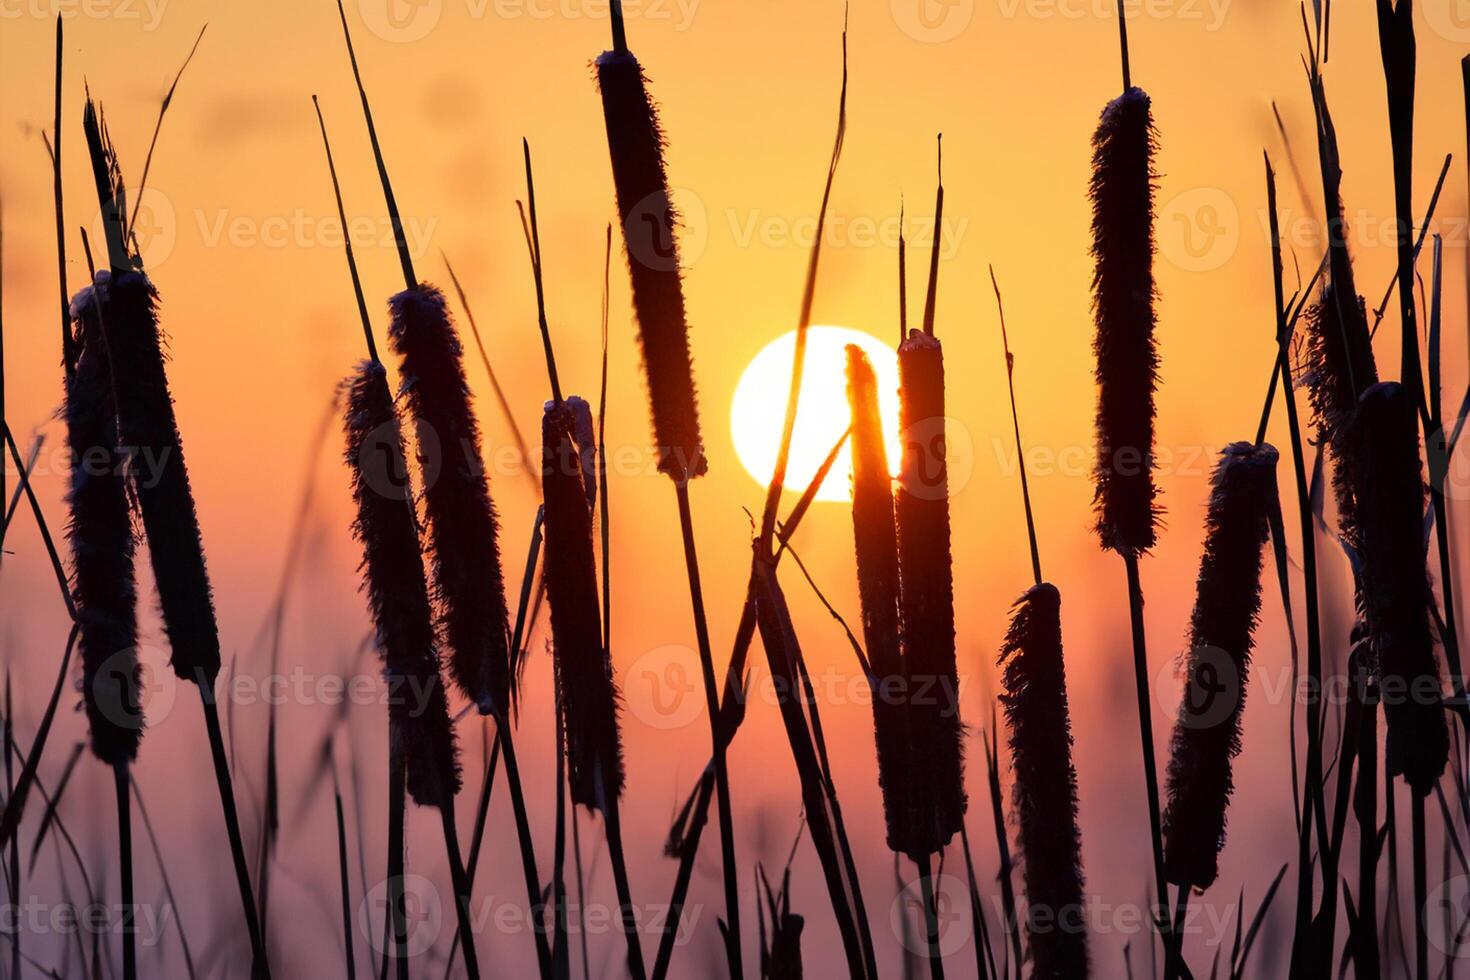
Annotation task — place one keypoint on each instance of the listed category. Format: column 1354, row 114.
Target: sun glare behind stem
column 759, row 408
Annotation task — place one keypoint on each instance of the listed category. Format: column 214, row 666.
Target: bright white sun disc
column 759, row 409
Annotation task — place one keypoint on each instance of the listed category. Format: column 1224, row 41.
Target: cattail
column 583, row 670
column 1045, row 793
column 1123, row 307
column 876, row 545
column 102, row 545
column 1383, row 438
column 636, row 144
column 1206, row 736
column 463, row 549
column 927, row 601
column 397, row 594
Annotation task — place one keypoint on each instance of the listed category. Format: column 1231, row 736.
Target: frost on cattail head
column 146, row 424
column 927, row 598
column 583, row 669
column 636, row 145
column 464, row 550
column 1045, row 794
column 1123, row 307
column 1383, row 439
column 393, row 575
column 1206, row 736
column 102, row 548
column 876, row 545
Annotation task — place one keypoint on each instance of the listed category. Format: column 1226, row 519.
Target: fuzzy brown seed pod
column 927, row 598
column 147, row 426
column 1339, row 365
column 648, row 219
column 1123, row 295
column 102, row 546
column 464, row 550
column 876, row 545
column 1045, row 794
column 393, row 576
column 583, row 669
column 1383, row 439
column 1227, row 602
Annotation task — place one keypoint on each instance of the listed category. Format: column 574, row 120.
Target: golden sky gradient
column 246, row 253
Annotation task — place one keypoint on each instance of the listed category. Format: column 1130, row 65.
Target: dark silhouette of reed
column 1123, row 293
column 647, row 217
column 780, row 941
column 1034, row 682
column 127, row 311
column 876, row 547
column 1206, row 735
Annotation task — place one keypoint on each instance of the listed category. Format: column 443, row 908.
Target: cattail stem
column 535, row 246
column 68, row 355
column 345, row 879
column 367, row 326
column 1016, row 425
column 461, row 888
column 1421, row 887
column 1365, row 810
column 399, row 238
column 931, row 297
column 260, row 968
column 125, row 862
column 931, row 918
column 528, row 856
column 629, row 912
column 619, row 35
column 397, row 922
column 712, row 705
column 1146, row 732
column 1003, row 848
column 1123, row 46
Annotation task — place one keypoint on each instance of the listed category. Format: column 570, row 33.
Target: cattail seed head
column 648, row 218
column 1383, row 439
column 1045, row 794
column 927, row 598
column 393, row 575
column 1123, row 308
column 102, row 547
column 1339, row 366
column 1206, row 736
column 146, row 424
column 464, row 550
column 583, row 666
column 876, row 545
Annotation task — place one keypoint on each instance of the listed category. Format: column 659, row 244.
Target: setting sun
column 760, row 404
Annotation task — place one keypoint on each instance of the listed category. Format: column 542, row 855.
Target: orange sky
column 258, row 307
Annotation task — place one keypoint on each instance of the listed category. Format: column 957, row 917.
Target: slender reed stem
column 461, row 889
column 168, row 888
column 259, row 967
column 629, row 913
column 712, row 705
column 1421, row 888
column 1016, row 425
column 125, row 862
column 346, row 883
column 1146, row 732
column 397, row 923
column 528, row 855
column 931, row 919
